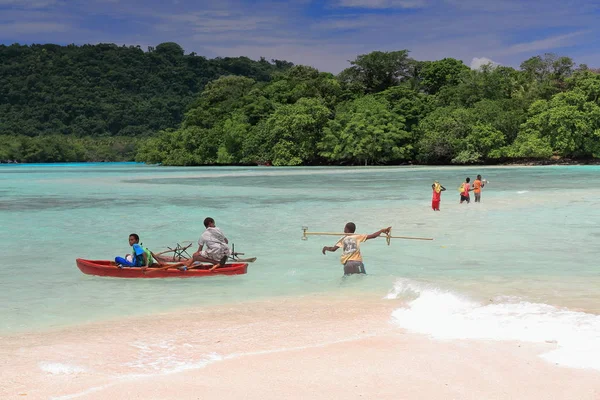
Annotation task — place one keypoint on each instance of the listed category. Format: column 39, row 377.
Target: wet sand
column 311, row 347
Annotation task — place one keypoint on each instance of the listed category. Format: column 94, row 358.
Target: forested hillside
column 51, row 95
column 387, row 108
column 104, row 102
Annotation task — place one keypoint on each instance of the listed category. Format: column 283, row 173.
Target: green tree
column 483, row 142
column 377, row 71
column 504, row 115
column 411, row 105
column 548, row 73
column 529, row 144
column 300, row 82
column 290, row 135
column 434, row 75
column 107, row 90
column 366, row 131
column 218, row 100
column 588, row 82
column 548, row 67
column 568, row 122
column 442, row 134
column 235, row 130
column 487, row 83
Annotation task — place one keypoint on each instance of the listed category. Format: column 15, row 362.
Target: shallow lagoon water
column 532, row 239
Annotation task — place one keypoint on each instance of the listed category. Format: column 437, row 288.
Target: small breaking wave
column 55, row 368
column 446, row 315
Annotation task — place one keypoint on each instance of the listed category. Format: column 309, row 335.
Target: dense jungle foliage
column 105, row 102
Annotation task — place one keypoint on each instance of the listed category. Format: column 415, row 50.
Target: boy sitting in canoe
column 351, row 257
column 217, row 247
column 139, row 257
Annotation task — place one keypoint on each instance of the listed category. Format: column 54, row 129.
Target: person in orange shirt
column 464, row 191
column 350, row 244
column 477, row 186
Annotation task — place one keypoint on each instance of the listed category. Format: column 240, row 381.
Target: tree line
column 106, row 98
column 386, row 108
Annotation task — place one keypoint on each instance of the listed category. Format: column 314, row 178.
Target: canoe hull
column 108, row 268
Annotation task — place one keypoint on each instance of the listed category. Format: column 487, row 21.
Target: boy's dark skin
column 478, row 195
column 467, row 198
column 350, row 228
column 133, row 240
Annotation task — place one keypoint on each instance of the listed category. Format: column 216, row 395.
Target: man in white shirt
column 217, row 247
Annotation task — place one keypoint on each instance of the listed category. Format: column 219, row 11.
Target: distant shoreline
column 512, row 163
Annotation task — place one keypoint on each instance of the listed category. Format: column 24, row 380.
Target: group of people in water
column 213, row 248
column 350, row 243
column 464, row 189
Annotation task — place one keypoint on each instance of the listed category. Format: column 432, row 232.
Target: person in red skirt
column 437, row 195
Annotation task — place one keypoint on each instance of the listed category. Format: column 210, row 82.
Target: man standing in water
column 477, row 185
column 464, row 191
column 350, row 244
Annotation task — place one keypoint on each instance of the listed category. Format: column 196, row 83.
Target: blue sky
column 325, row 34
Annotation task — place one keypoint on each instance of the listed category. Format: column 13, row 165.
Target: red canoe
column 108, row 268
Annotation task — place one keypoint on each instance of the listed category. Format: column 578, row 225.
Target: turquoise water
column 534, row 236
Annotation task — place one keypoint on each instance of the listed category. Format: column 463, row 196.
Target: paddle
column 148, row 270
column 234, row 256
column 178, row 265
column 305, row 235
column 244, row 260
column 163, row 267
column 166, row 251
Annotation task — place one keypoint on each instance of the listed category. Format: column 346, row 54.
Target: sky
column 325, row 34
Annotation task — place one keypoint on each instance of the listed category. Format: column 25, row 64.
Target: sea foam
column 55, row 368
column 446, row 315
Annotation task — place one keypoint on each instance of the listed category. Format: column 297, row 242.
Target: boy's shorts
column 124, row 262
column 354, row 267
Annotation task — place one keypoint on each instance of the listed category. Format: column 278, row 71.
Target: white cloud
column 29, row 3
column 488, row 6
column 543, row 44
column 337, row 32
column 478, row 62
column 29, row 28
column 382, row 3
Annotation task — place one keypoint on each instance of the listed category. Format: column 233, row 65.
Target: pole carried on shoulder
column 388, row 237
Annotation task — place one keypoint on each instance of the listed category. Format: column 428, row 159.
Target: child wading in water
column 477, row 186
column 350, row 244
column 464, row 191
column 437, row 195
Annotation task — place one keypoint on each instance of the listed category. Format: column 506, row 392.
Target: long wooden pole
column 305, row 235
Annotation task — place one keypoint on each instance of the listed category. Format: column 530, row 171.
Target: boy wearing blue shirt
column 140, row 257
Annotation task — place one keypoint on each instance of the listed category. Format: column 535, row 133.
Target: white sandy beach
column 311, row 347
